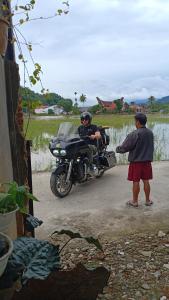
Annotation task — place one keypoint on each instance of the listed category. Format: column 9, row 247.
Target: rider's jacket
column 87, row 131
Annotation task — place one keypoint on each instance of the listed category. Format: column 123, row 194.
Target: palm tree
column 75, row 93
column 83, row 98
column 151, row 101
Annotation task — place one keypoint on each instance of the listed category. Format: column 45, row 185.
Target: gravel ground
column 135, row 241
column 139, row 264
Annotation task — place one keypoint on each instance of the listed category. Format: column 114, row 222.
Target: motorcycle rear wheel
column 58, row 184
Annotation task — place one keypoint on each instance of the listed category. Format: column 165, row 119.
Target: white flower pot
column 8, row 223
column 5, row 257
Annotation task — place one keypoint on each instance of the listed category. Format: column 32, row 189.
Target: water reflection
column 43, row 160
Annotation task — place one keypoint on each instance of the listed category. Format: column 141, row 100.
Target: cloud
column 106, row 48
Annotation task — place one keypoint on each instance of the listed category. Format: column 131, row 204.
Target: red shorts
column 140, row 170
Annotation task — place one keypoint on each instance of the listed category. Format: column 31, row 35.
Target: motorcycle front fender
column 60, row 168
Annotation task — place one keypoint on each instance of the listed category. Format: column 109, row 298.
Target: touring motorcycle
column 72, row 162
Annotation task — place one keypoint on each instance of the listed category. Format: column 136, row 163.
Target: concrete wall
column 6, row 170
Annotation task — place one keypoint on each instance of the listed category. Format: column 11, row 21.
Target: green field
column 38, row 127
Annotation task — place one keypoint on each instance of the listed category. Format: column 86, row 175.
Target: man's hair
column 141, row 118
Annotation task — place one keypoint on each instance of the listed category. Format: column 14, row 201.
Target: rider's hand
column 92, row 137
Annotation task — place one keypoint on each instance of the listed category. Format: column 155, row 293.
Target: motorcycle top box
column 72, row 158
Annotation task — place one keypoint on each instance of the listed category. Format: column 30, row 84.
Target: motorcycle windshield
column 67, row 131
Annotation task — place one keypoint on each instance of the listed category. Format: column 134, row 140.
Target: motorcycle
column 72, row 162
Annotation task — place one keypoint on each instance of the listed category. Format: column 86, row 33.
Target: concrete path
column 98, row 207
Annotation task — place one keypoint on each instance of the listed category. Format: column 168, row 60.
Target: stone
column 161, row 233
column 120, row 252
column 157, row 274
column 146, row 253
column 166, row 266
column 145, row 286
column 130, row 266
column 138, row 295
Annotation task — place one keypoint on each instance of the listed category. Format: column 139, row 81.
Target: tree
column 22, row 12
column 83, row 98
column 119, row 105
column 95, row 108
column 66, row 104
column 151, row 102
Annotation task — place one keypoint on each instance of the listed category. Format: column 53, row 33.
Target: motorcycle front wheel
column 58, row 184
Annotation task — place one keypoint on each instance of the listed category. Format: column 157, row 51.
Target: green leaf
column 76, row 235
column 32, row 197
column 20, row 56
column 21, row 21
column 36, row 258
column 59, row 11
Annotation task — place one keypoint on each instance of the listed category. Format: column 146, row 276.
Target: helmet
column 86, row 116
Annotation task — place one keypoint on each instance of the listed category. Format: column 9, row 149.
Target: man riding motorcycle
column 91, row 133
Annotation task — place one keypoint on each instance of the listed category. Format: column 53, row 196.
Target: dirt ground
column 135, row 240
column 99, row 207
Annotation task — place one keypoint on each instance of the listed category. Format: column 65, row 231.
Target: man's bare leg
column 147, row 190
column 136, row 190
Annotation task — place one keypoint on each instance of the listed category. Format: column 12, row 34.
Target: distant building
column 137, row 108
column 84, row 108
column 108, row 105
column 46, row 109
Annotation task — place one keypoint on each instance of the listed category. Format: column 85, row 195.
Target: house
column 108, row 105
column 111, row 105
column 137, row 108
column 56, row 110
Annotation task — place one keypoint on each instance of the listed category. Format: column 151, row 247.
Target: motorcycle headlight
column 55, row 152
column 63, row 152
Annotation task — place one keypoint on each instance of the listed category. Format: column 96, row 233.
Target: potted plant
column 38, row 262
column 12, row 198
column 6, row 247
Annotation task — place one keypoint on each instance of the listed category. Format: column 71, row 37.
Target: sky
column 104, row 48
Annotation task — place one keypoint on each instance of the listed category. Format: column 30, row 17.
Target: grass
column 38, row 127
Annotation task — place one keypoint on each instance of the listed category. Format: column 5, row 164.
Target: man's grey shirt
column 139, row 144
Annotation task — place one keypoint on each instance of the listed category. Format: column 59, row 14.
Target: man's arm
column 96, row 136
column 128, row 144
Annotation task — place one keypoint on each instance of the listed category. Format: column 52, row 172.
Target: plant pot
column 4, row 258
column 8, row 223
column 3, row 35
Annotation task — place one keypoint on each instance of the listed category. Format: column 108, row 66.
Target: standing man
column 140, row 145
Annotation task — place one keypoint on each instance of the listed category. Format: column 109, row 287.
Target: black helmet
column 86, row 116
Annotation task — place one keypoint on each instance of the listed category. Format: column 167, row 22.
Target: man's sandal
column 149, row 203
column 132, row 204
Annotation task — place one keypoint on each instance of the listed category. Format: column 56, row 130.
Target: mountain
column 141, row 101
column 138, row 101
column 164, row 99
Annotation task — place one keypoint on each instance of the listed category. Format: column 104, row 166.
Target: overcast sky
column 104, row 48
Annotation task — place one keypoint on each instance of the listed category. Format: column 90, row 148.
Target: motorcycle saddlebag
column 109, row 159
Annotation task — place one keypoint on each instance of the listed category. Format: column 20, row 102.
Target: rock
column 157, row 274
column 138, row 295
column 145, row 286
column 146, row 253
column 120, row 252
column 130, row 266
column 161, row 233
column 166, row 266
